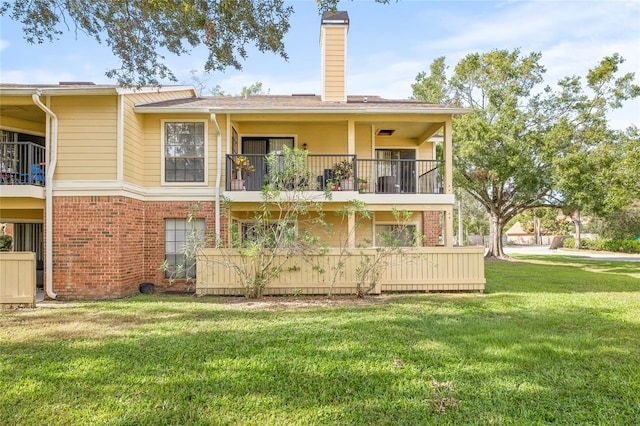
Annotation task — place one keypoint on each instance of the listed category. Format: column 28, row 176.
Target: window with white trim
column 404, row 235
column 181, row 238
column 184, row 151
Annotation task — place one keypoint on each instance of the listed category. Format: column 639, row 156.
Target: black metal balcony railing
column 367, row 176
column 22, row 163
column 400, row 176
column 321, row 166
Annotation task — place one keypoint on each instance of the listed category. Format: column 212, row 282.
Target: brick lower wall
column 432, row 229
column 104, row 247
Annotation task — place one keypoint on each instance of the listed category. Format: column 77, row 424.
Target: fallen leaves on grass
column 442, row 399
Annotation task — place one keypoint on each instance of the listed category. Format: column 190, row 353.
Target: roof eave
column 202, row 110
column 49, row 91
column 85, row 90
column 171, row 110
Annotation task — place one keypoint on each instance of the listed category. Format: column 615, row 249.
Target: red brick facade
column 104, row 247
column 432, row 228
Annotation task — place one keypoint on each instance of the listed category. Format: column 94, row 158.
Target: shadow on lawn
column 597, row 265
column 204, row 365
column 561, row 274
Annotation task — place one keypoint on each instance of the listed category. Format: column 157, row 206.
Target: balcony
column 22, row 163
column 368, row 176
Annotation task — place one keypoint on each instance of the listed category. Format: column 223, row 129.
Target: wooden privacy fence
column 416, row 269
column 17, row 279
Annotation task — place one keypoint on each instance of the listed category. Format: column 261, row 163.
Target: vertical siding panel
column 423, row 269
column 18, row 278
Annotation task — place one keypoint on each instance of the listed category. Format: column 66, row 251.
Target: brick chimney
column 333, row 48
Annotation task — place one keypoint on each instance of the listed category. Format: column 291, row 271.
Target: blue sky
column 388, row 45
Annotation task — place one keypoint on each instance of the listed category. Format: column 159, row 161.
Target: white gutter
column 218, row 175
column 275, row 110
column 120, row 140
column 51, row 167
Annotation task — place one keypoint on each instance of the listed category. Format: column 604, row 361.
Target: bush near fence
column 620, row 246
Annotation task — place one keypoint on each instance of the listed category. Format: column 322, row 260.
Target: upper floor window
column 184, row 151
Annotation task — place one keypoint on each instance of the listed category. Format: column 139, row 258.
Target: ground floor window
column 401, row 235
column 267, row 235
column 182, row 236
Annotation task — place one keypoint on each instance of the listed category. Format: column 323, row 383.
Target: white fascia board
column 171, row 110
column 57, row 91
column 22, row 191
column 342, row 111
column 159, row 89
column 115, row 188
column 174, row 110
column 88, row 90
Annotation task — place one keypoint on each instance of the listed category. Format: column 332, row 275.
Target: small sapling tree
column 279, row 229
column 388, row 244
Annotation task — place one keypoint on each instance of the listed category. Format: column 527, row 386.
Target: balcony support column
column 351, row 137
column 448, row 227
column 448, row 157
column 351, row 224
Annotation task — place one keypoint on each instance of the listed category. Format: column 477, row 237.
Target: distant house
column 516, row 234
column 98, row 180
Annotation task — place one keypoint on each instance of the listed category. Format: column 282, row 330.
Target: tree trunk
column 536, row 228
column 578, row 223
column 495, row 238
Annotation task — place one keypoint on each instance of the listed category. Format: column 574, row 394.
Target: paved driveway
column 592, row 254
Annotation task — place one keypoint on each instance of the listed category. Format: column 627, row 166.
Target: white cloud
column 4, row 44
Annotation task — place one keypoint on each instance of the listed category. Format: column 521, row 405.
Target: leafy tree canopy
column 523, row 145
column 140, row 31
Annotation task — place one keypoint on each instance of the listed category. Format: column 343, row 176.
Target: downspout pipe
column 51, row 168
column 218, row 175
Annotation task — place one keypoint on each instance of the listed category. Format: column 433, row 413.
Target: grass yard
column 553, row 340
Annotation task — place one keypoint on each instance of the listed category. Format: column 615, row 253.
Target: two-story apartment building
column 99, row 180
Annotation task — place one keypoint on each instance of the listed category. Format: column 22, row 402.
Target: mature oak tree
column 141, row 32
column 592, row 173
column 510, row 149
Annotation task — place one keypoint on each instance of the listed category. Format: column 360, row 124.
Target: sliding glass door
column 261, row 146
column 396, row 170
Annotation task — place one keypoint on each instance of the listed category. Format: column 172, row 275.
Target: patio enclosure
column 423, row 269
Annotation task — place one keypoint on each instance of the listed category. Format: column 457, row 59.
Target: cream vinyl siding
column 334, row 234
column 134, row 132
column 133, row 143
column 426, row 151
column 334, row 62
column 387, row 217
column 337, row 231
column 152, row 150
column 321, row 138
column 87, row 137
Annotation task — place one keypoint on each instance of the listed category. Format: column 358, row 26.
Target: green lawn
column 547, row 343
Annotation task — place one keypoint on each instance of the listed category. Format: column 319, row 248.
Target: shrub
column 620, row 246
column 624, row 246
column 569, row 242
column 5, row 242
